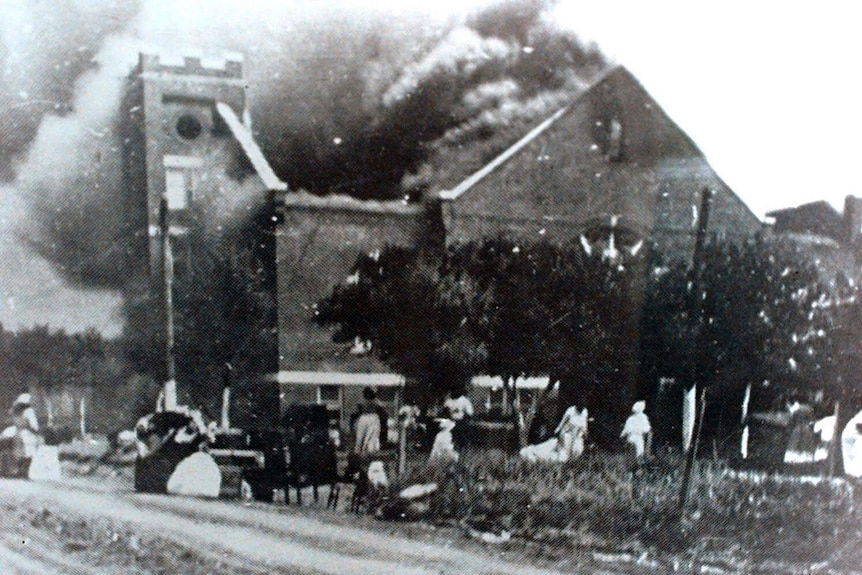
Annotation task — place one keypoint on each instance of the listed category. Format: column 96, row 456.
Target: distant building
column 832, row 239
column 609, row 164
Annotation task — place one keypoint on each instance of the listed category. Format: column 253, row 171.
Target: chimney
column 148, row 62
column 234, row 68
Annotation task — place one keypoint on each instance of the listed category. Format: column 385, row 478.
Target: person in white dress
column 572, row 431
column 26, row 432
column 369, row 425
column 851, row 446
column 458, row 407
column 637, row 431
column 443, row 450
column 825, row 429
column 568, row 440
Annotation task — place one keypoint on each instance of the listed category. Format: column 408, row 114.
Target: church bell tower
column 174, row 138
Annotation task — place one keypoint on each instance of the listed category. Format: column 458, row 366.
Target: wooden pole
column 402, row 446
column 170, row 387
column 225, row 396
column 691, row 456
column 49, row 407
column 835, row 445
column 82, row 412
column 697, row 312
column 746, row 401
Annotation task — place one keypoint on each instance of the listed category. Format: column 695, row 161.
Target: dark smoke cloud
column 344, row 100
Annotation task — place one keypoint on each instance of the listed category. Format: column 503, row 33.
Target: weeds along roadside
column 600, row 501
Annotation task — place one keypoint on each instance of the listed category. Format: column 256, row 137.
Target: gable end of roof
column 502, row 158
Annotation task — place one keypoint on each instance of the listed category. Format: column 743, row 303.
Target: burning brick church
column 611, row 162
column 610, row 165
column 195, row 176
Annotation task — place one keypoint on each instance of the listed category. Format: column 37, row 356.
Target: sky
column 769, row 92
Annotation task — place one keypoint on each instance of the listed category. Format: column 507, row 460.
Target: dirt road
column 116, row 529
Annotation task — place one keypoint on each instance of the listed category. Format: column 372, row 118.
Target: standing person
column 637, row 431
column 460, row 410
column 802, row 441
column 383, row 416
column 851, row 446
column 459, row 407
column 572, row 431
column 443, row 451
column 368, row 424
column 568, row 442
column 27, row 427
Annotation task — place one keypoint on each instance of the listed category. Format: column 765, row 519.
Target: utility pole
column 835, row 444
column 170, row 389
column 694, row 361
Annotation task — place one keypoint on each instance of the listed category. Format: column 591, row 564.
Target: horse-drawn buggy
column 301, row 453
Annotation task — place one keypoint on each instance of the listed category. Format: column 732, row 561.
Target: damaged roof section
column 818, row 218
column 252, row 151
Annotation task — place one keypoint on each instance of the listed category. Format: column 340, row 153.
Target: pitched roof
column 471, row 181
column 502, row 158
column 246, row 140
column 567, row 169
column 812, row 218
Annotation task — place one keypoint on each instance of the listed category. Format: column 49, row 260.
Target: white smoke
column 462, row 54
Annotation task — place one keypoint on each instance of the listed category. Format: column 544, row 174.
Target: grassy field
column 598, row 502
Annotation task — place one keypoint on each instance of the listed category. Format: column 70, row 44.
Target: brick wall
column 317, row 245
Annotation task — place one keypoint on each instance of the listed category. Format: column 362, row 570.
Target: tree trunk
column 528, row 419
column 835, row 445
column 511, row 387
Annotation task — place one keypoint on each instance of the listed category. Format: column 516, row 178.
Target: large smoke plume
column 344, row 100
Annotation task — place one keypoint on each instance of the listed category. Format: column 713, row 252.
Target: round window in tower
column 189, row 127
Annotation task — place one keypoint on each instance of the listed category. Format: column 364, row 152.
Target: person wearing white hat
column 27, row 427
column 637, row 430
column 459, row 407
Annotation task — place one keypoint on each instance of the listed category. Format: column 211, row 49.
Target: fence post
column 402, row 447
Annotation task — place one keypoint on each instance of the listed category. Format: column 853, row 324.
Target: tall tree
column 762, row 325
column 502, row 308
